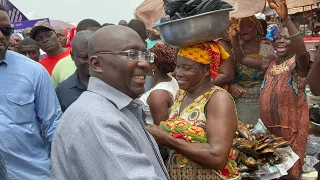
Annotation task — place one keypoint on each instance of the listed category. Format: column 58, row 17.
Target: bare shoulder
column 220, row 95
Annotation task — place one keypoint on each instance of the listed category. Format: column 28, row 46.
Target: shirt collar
column 117, row 97
column 75, row 82
column 6, row 57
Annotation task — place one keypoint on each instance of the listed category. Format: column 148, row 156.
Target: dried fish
column 268, row 150
column 281, row 144
column 250, row 162
column 261, row 146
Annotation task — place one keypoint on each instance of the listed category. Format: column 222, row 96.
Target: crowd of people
column 91, row 109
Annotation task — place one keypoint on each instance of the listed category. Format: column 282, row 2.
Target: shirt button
column 21, row 102
column 135, row 105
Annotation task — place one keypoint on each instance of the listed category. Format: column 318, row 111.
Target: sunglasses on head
column 6, row 31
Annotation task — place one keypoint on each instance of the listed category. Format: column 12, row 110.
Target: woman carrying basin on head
column 207, row 108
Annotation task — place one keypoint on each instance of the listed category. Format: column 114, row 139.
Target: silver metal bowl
column 195, row 29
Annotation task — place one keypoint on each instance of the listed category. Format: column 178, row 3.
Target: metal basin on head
column 195, row 29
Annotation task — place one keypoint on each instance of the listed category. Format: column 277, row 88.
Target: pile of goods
column 180, row 128
column 253, row 150
column 177, row 9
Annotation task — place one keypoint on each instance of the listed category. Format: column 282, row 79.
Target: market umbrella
column 61, row 24
column 150, row 11
column 246, row 8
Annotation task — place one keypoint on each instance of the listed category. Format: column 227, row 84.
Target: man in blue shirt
column 28, row 100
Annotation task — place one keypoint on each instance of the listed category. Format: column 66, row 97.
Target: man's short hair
column 86, row 23
column 28, row 42
column 139, row 27
column 107, row 24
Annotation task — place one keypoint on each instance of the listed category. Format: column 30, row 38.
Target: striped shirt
column 3, row 170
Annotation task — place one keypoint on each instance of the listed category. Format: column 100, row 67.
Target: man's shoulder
column 64, row 61
column 23, row 60
column 45, row 60
column 65, row 65
column 65, row 85
column 89, row 108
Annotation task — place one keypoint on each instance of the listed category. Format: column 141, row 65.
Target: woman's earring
column 153, row 73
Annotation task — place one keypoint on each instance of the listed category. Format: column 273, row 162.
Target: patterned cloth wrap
column 179, row 128
column 210, row 52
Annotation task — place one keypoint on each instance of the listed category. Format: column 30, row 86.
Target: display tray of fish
column 253, row 150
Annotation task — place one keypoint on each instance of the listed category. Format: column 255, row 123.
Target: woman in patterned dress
column 283, row 103
column 203, row 105
column 246, row 87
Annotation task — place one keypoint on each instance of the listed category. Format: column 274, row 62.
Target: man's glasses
column 134, row 55
column 6, row 31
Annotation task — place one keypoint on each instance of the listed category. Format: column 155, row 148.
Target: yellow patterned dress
column 195, row 115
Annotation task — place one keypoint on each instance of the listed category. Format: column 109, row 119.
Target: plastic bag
column 195, row 7
column 260, row 127
column 172, row 6
column 315, row 113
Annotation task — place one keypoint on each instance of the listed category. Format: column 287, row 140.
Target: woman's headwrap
column 257, row 23
column 206, row 53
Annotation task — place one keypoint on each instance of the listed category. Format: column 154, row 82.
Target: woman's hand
column 236, row 91
column 234, row 27
column 281, row 8
column 158, row 134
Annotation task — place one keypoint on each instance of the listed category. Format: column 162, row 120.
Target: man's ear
column 95, row 64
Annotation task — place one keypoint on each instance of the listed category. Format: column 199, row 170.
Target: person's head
column 26, row 32
column 165, row 59
column 16, row 38
column 88, row 24
column 139, row 27
column 283, row 43
column 123, row 23
column 62, row 36
column 107, row 24
column 193, row 64
column 14, row 42
column 45, row 37
column 250, row 28
column 5, row 31
column 115, row 58
column 29, row 48
column 79, row 51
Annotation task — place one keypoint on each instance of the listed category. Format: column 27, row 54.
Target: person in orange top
column 47, row 39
